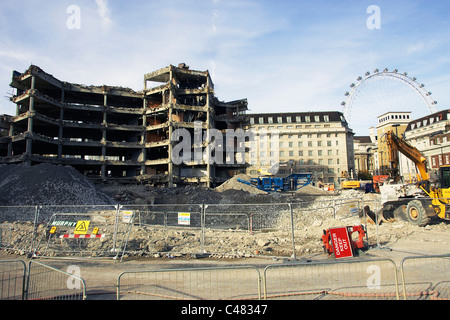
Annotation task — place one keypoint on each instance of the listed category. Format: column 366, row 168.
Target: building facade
column 390, row 121
column 317, row 142
column 114, row 132
column 431, row 135
column 364, row 148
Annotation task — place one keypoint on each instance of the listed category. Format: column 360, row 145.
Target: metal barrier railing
column 422, row 278
column 12, row 279
column 48, row 283
column 207, row 219
column 221, row 283
column 426, row 277
column 357, row 279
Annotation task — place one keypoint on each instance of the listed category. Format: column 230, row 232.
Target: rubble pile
column 47, row 184
column 234, row 184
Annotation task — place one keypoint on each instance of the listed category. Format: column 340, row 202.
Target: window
column 270, row 119
column 310, row 153
column 307, row 119
column 316, row 118
column 291, row 153
column 291, row 144
column 279, row 119
column 261, row 120
column 326, row 118
column 300, row 144
column 319, row 143
column 298, row 119
column 288, row 119
column 300, row 153
column 310, row 144
column 329, row 143
column 252, row 120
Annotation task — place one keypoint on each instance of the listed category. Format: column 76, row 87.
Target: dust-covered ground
column 156, row 247
column 47, row 184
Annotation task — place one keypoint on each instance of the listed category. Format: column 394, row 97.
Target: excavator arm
column 396, row 145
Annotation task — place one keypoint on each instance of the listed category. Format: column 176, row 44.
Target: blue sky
column 283, row 56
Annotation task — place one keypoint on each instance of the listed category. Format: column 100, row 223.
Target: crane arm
column 396, row 145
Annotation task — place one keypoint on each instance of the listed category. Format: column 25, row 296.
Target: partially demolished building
column 118, row 133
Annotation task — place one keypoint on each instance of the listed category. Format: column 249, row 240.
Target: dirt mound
column 312, row 190
column 47, row 184
column 234, row 184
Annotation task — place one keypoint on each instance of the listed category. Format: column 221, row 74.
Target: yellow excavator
column 415, row 202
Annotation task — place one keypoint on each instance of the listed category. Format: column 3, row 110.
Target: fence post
column 36, row 218
column 203, row 224
column 118, row 207
column 292, row 231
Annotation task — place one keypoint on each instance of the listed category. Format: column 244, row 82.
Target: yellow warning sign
column 81, row 227
column 95, row 231
column 53, row 230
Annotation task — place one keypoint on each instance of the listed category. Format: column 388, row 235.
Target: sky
column 282, row 56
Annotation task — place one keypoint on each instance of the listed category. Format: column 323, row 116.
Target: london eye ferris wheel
column 384, row 91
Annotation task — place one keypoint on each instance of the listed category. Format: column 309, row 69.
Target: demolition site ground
column 163, row 248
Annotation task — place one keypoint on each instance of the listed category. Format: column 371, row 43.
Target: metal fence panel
column 173, row 228
column 47, row 283
column 12, row 279
column 93, row 231
column 426, row 277
column 223, row 283
column 355, row 279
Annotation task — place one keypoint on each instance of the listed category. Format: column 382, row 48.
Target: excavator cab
column 444, row 177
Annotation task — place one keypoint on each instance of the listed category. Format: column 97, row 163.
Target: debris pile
column 47, row 184
column 234, row 184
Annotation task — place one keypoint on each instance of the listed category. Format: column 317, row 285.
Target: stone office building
column 317, row 142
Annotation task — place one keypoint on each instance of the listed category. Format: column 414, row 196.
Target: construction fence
column 116, row 230
column 39, row 282
column 332, row 280
column 416, row 278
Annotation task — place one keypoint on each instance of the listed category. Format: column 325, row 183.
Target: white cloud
column 415, row 48
column 104, row 13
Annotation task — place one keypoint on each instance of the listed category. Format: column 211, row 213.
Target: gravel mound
column 234, row 184
column 47, row 184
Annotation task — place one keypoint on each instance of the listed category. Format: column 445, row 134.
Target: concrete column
column 60, row 132
column 30, row 119
column 103, row 168
column 171, row 96
column 208, row 139
column 143, row 137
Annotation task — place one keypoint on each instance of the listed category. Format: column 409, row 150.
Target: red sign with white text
column 341, row 243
